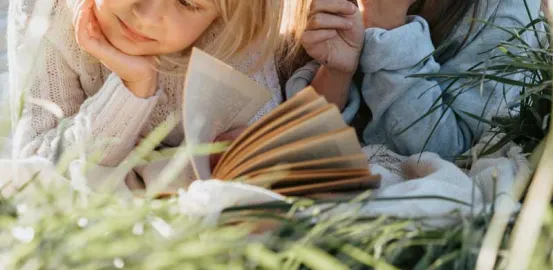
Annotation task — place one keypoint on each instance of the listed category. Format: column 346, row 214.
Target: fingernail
column 353, row 7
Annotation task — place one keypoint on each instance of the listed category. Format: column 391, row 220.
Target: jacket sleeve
column 303, row 78
column 397, row 100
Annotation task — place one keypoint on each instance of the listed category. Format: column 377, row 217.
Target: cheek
column 183, row 34
column 182, row 38
column 113, row 4
column 104, row 11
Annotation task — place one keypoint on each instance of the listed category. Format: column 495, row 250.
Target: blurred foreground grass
column 57, row 227
column 67, row 231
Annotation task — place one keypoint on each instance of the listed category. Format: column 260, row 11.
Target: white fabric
column 489, row 180
column 481, row 183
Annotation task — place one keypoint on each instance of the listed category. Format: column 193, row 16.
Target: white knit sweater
column 96, row 105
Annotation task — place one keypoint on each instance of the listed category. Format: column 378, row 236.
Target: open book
column 301, row 147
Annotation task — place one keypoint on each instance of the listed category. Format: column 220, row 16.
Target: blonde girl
column 101, row 63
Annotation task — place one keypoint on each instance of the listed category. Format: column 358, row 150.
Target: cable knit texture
column 99, row 111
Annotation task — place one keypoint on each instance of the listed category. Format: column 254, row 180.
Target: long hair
column 275, row 26
column 444, row 16
column 246, row 22
column 290, row 54
column 240, row 24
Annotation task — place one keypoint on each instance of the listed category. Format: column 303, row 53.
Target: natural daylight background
column 3, row 59
column 3, row 54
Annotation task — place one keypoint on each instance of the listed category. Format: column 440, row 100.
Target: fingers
column 329, row 21
column 311, row 39
column 341, row 7
column 90, row 37
column 81, row 5
column 331, row 14
column 96, row 31
column 82, row 27
column 87, row 29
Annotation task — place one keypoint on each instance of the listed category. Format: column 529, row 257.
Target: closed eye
column 189, row 4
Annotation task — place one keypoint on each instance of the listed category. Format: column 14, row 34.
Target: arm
column 305, row 76
column 114, row 112
column 333, row 79
column 333, row 85
column 397, row 101
column 334, row 37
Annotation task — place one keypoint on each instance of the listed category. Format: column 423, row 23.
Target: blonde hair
column 290, row 53
column 275, row 25
column 244, row 23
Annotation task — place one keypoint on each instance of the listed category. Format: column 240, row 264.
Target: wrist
column 337, row 74
column 333, row 85
column 392, row 19
column 144, row 88
column 394, row 23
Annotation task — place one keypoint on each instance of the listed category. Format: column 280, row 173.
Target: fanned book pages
column 302, row 147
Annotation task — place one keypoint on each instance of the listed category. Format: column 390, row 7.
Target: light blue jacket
column 397, row 100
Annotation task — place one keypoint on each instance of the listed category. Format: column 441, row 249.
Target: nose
column 149, row 12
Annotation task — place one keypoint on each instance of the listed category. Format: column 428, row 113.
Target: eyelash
column 186, row 4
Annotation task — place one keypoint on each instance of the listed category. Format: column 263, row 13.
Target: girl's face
column 154, row 27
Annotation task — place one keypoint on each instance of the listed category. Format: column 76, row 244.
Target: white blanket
column 445, row 187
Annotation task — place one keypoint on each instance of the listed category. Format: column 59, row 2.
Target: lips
column 132, row 34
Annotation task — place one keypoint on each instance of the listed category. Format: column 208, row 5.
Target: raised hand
column 137, row 72
column 334, row 35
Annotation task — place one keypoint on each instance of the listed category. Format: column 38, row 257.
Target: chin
column 133, row 51
column 128, row 47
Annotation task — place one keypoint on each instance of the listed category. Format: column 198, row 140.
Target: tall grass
column 104, row 232
column 513, row 64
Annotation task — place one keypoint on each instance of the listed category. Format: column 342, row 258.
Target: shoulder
column 493, row 13
column 480, row 30
column 521, row 10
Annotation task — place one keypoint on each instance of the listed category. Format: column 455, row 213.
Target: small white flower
column 82, row 222
column 22, row 209
column 24, row 234
column 118, row 263
column 138, row 229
